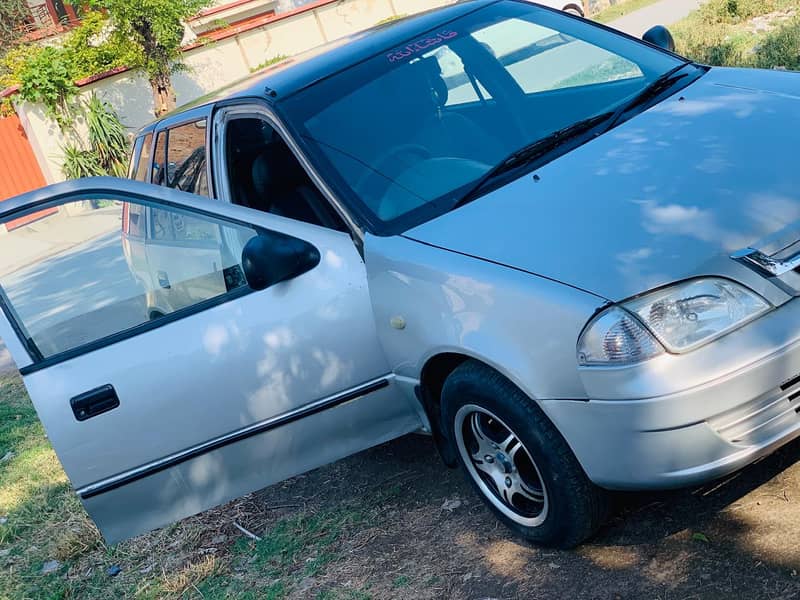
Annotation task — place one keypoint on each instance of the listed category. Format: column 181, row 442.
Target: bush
column 780, row 48
column 717, row 34
column 46, row 78
column 89, row 50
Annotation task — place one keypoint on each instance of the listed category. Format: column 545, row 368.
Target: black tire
column 574, row 10
column 574, row 507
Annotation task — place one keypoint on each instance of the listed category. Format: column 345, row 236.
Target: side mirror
column 661, row 37
column 271, row 257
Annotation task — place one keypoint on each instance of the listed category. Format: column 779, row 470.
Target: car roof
column 289, row 76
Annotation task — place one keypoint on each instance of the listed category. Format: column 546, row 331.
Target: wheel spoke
column 477, row 430
column 481, row 465
column 531, row 493
column 492, row 452
column 508, row 495
column 510, row 446
column 484, row 443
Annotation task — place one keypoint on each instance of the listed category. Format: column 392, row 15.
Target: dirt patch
column 737, row 537
column 393, row 522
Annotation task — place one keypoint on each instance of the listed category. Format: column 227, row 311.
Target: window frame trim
column 184, row 118
column 40, row 362
column 149, row 166
column 257, row 108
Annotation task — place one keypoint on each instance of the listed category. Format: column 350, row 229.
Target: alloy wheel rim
column 501, row 465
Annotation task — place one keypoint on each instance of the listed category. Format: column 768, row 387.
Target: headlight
column 678, row 318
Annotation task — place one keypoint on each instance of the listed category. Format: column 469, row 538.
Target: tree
column 152, row 30
column 12, row 15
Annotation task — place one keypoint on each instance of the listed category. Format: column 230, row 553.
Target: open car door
column 182, row 352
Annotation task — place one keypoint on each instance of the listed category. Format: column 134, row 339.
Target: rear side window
column 186, row 158
column 142, row 167
column 160, row 159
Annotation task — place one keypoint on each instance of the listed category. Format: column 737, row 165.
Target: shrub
column 46, row 78
column 89, row 50
column 718, row 34
column 108, row 138
column 780, row 48
column 106, row 148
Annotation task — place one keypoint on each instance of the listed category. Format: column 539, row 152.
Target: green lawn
column 620, row 10
column 42, row 521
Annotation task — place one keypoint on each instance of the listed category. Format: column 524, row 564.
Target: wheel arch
column 574, row 6
column 435, row 371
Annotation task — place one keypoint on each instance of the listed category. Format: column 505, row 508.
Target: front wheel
column 517, row 461
column 573, row 10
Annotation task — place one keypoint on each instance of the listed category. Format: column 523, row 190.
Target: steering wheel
column 376, row 179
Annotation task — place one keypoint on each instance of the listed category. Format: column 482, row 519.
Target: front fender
column 428, row 301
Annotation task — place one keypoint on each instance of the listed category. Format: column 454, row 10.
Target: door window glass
column 144, row 159
column 264, row 174
column 92, row 270
column 186, row 158
column 160, row 159
column 171, row 226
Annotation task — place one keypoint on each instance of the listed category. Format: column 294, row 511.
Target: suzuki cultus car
column 569, row 255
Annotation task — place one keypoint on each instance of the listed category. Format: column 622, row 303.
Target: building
column 48, row 17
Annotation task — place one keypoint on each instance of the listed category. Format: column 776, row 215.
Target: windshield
column 405, row 133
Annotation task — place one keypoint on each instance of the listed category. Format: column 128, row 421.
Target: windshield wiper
column 536, row 150
column 656, row 88
column 531, row 152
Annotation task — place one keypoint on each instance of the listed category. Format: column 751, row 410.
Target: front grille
column 762, row 418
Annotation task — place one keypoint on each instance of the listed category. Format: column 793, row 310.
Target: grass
column 269, row 62
column 43, row 521
column 620, row 10
column 724, row 33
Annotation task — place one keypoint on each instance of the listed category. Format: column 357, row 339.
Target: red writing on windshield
column 420, row 45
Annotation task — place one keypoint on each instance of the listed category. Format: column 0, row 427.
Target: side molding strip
column 167, row 462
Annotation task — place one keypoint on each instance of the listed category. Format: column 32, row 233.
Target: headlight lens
column 680, row 318
column 615, row 337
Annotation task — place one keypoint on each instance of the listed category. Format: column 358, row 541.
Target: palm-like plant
column 107, row 136
column 107, row 143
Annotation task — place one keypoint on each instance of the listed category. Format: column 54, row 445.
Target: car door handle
column 94, row 402
column 163, row 280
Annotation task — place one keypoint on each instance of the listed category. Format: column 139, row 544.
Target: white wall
column 215, row 66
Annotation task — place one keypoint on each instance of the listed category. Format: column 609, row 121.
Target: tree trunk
column 159, row 65
column 163, row 95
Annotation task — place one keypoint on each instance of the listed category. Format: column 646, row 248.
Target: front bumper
column 681, row 420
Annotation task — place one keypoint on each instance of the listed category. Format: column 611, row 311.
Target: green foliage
column 269, row 62
column 107, row 148
column 46, row 78
column 391, row 19
column 13, row 62
column 150, row 32
column 108, row 138
column 90, row 49
column 620, row 9
column 780, row 48
column 12, row 13
column 721, row 33
column 80, row 163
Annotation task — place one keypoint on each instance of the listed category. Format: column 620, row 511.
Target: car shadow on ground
column 734, row 536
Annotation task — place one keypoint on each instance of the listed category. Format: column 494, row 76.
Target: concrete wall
column 215, row 66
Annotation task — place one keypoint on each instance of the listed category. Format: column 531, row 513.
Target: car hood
column 669, row 194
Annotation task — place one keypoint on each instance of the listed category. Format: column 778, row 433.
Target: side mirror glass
column 271, row 257
column 661, row 37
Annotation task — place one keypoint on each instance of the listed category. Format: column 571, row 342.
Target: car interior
column 264, row 174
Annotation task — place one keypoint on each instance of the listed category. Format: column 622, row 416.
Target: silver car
column 569, row 255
